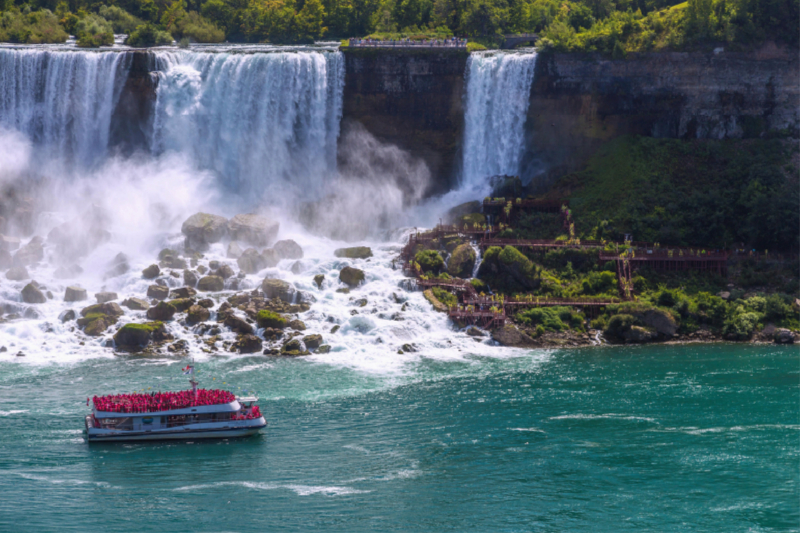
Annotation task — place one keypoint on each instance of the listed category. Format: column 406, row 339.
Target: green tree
column 310, row 20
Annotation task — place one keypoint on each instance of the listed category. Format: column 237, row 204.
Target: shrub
column 148, row 35
column 446, row 297
column 741, row 325
column 429, row 261
column 475, row 47
column 777, row 308
column 478, row 285
column 619, row 324
column 552, row 318
column 268, row 319
column 93, row 31
column 36, row 27
column 121, row 21
column 599, row 283
column 197, row 29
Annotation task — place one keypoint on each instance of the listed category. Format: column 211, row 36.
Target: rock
column 103, row 297
column 238, row 325
column 78, row 237
column 17, row 274
column 239, row 299
column 210, row 284
column 97, row 318
column 30, row 254
column 32, row 295
column 253, row 229
column 234, row 250
column 202, row 229
column 351, row 276
column 179, row 346
column 74, row 294
column 138, row 335
column 67, row 315
column 270, row 320
column 475, row 332
column 509, row 335
column 151, row 272
column 297, row 325
column 288, row 249
column 637, row 334
column 783, row 336
column 277, row 288
column 109, row 309
column 202, row 269
column 361, row 302
column 319, row 279
column 136, row 304
column 8, row 244
column 293, row 347
column 725, row 295
column 312, row 342
column 208, row 303
column 325, row 348
column 409, row 348
column 158, row 292
column 162, row 311
column 68, row 272
column 354, row 252
column 189, row 278
column 182, row 304
column 437, row 305
column 251, row 262
column 224, row 271
column 273, row 334
column 96, row 327
column 197, row 314
column 5, row 259
column 461, row 261
column 270, row 258
column 655, row 319
column 171, row 259
column 213, row 265
column 297, row 267
column 118, row 266
column 183, row 292
column 247, row 344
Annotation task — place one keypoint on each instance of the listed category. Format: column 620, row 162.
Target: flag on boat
column 188, row 370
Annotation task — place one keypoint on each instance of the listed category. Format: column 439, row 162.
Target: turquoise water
column 669, row 438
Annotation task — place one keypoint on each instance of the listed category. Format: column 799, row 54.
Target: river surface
column 659, row 438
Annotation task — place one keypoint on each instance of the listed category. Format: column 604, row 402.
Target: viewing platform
column 452, row 44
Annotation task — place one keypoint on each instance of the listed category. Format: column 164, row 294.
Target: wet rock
column 660, row 321
column 202, row 229
column 5, row 259
column 293, row 347
column 343, row 290
column 783, row 336
column 178, row 346
column 224, row 271
column 335, row 328
column 475, row 332
column 103, row 297
column 136, row 304
column 234, row 251
column 74, row 294
column 32, row 295
column 269, row 319
column 325, row 348
column 213, row 265
column 273, row 334
column 109, row 309
column 253, row 229
column 202, row 269
column 171, row 259
column 238, row 325
column 162, row 311
column 297, row 325
column 288, row 249
column 351, row 276
column 435, row 302
column 158, row 292
column 97, row 318
column 182, row 304
column 238, row 299
column 183, row 292
column 208, row 303
column 409, row 348
column 17, row 274
column 354, row 252
column 509, row 335
column 312, row 342
column 270, row 258
column 319, row 279
column 117, row 266
column 97, row 327
column 189, row 278
column 247, row 344
column 151, row 272
column 139, row 335
column 277, row 288
column 361, row 302
column 210, row 284
column 297, row 267
column 197, row 314
column 30, row 254
column 638, row 334
column 67, row 315
column 461, row 261
column 251, row 262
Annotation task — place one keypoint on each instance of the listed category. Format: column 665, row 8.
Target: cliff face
column 412, row 99
column 132, row 116
column 579, row 101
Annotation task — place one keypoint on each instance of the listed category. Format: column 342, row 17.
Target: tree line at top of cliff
column 610, row 26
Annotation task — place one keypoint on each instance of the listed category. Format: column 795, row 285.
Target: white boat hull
column 200, row 431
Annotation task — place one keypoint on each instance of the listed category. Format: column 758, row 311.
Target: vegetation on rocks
column 430, row 261
column 268, row 319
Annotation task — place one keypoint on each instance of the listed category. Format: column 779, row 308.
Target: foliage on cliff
column 714, row 194
column 24, row 26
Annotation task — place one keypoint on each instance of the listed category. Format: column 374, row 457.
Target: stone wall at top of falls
column 580, row 101
column 412, row 99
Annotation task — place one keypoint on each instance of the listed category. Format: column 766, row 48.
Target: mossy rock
column 197, row 314
column 151, row 272
column 182, row 304
column 210, row 284
column 429, row 261
column 437, row 305
column 354, row 252
column 319, row 279
column 313, row 341
column 462, row 261
column 137, row 335
column 268, row 319
column 352, row 277
column 278, row 288
column 162, row 311
column 247, row 344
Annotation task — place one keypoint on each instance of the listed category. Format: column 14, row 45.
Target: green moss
column 429, row 261
column 552, row 318
column 447, row 298
column 148, row 327
column 269, row 319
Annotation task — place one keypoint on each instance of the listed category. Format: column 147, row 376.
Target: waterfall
column 62, row 100
column 266, row 123
column 498, row 94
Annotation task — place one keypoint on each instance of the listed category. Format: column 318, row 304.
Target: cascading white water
column 498, row 94
column 62, row 101
column 267, row 124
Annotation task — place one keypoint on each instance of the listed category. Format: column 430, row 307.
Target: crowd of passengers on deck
column 451, row 42
column 160, row 401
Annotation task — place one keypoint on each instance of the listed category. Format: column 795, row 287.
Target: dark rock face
column 511, row 336
column 74, row 294
column 130, row 123
column 247, row 344
column 238, row 325
column 17, row 274
column 138, row 335
column 197, row 314
column 163, row 311
column 351, row 276
column 277, row 288
column 210, row 284
column 202, row 229
column 158, row 292
column 32, row 295
column 580, row 101
column 151, row 272
column 136, row 304
column 411, row 99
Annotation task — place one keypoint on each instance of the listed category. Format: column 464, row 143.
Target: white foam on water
column 299, row 489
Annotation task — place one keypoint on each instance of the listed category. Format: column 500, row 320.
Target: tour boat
column 190, row 414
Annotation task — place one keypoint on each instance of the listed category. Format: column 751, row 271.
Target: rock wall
column 412, row 99
column 133, row 115
column 580, row 101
